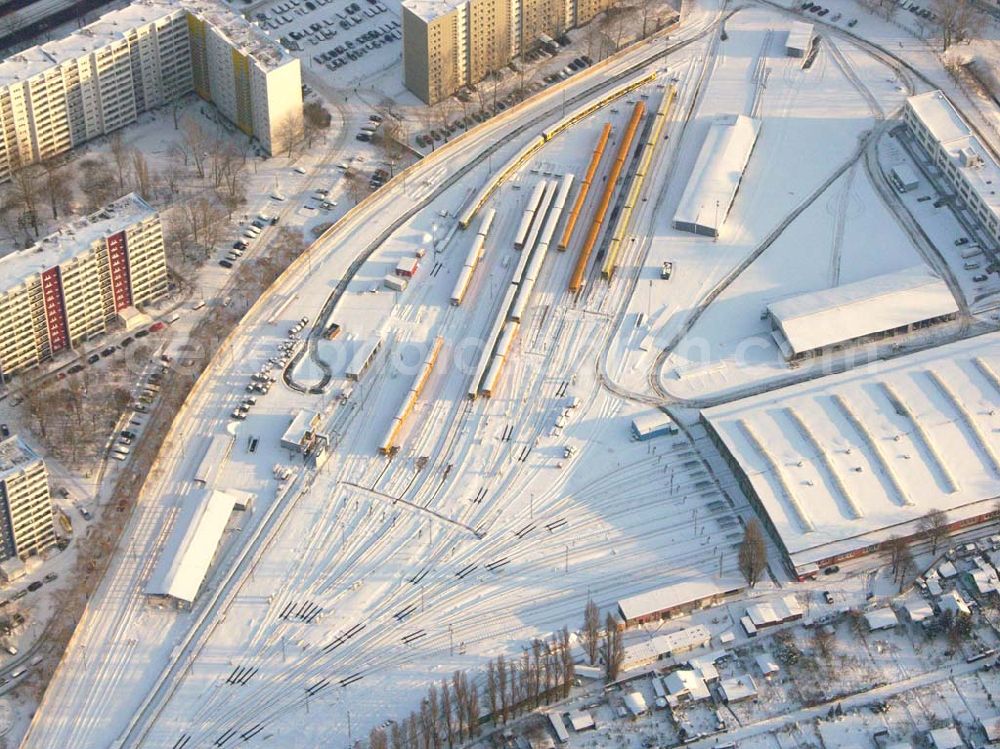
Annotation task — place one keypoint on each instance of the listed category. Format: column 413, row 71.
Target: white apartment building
column 26, row 526
column 956, row 149
column 73, row 284
column 62, row 93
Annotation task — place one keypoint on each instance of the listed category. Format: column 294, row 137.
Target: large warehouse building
column 837, row 466
column 820, row 322
column 955, row 148
column 717, row 175
column 73, row 284
column 62, row 93
column 26, row 526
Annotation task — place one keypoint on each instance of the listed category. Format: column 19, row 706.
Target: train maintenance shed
column 192, row 544
column 676, row 599
column 800, row 39
column 717, row 174
column 839, row 465
column 824, row 321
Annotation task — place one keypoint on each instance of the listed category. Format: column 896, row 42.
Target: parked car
column 93, row 358
column 35, row 585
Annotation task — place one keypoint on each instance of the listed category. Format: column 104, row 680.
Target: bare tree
column 141, row 176
column 377, row 739
column 458, row 686
column 472, row 709
column 905, row 567
column 446, row 713
column 614, row 649
column 121, row 153
column 824, row 641
column 934, row 527
column 894, row 550
column 568, row 668
column 356, row 186
column 288, row 134
column 58, row 188
column 957, row 19
column 491, row 690
column 97, row 183
column 195, row 144
column 502, row 687
column 397, row 735
column 25, row 195
column 753, row 553
column 591, row 630
column 315, row 120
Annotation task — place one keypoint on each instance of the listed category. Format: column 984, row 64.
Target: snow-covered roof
column 984, row 582
column 635, row 703
column 946, row 738
column 967, row 154
column 581, row 720
column 738, row 688
column 14, row 456
column 991, row 726
column 647, row 651
column 651, row 421
column 884, row 618
column 676, row 594
column 947, row 570
column 783, row 609
column 918, row 610
column 73, row 239
column 686, row 681
column 954, row 602
column 192, row 544
column 214, row 458
column 717, row 173
column 828, row 317
column 302, row 423
column 115, row 25
column 799, row 36
column 428, row 10
column 848, row 460
column 767, row 665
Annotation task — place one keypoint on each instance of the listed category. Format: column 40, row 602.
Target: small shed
column 881, row 619
column 301, row 431
column 767, row 666
column 407, row 267
column 635, row 703
column 12, row 569
column 800, row 37
column 652, row 424
column 738, row 688
column 946, row 738
column 954, row 602
column 904, row 178
column 581, row 720
column 947, row 570
column 685, row 684
column 918, row 610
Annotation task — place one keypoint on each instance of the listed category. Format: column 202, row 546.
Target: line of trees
column 451, row 713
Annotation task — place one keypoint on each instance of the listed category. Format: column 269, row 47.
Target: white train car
column 529, row 214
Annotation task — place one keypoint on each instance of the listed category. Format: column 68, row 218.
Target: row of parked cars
column 249, row 236
column 109, row 350
column 284, row 13
column 819, row 10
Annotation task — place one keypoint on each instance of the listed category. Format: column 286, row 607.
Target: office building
column 448, row 44
column 62, row 93
column 26, row 526
column 71, row 285
column 954, row 147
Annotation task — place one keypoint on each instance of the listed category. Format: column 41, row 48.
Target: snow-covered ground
column 484, row 531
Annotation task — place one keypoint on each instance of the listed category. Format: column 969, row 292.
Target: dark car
column 127, row 433
column 239, row 245
column 93, row 358
column 108, row 351
column 35, row 585
column 75, row 368
column 225, row 264
column 141, row 333
column 126, row 342
column 832, row 569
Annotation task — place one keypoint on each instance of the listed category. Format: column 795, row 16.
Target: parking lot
column 336, row 36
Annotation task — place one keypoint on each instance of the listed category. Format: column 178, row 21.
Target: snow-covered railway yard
column 356, row 578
